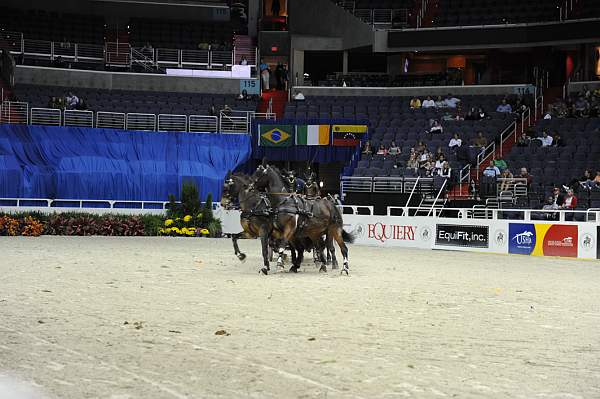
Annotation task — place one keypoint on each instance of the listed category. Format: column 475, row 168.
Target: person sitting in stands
column 524, row 174
column 439, row 163
column 413, row 160
column 436, row 127
column 504, row 107
column 415, row 103
column 445, row 171
column 480, row 141
column 581, row 107
column 439, row 153
column 569, row 201
column 585, row 182
column 394, row 149
column 472, row 115
column 557, row 197
column 72, row 101
column 428, row 103
column 482, row 114
column 451, row 101
column 546, row 139
column 507, row 180
column 367, row 148
column 226, row 110
column 439, row 102
column 420, row 147
column 550, row 205
column 557, row 141
column 382, row 150
column 492, row 170
column 425, row 160
column 596, row 181
column 524, row 140
column 243, row 61
column 455, row 142
column 52, row 102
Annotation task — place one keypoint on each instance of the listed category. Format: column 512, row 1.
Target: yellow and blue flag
column 275, row 135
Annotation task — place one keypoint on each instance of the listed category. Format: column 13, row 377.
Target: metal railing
column 199, row 123
column 400, row 185
column 140, row 121
column 515, row 185
column 510, row 131
column 382, row 17
column 110, row 120
column 45, row 116
column 172, row 123
column 73, row 117
column 14, row 112
column 117, row 53
column 229, row 122
column 356, row 184
column 464, row 177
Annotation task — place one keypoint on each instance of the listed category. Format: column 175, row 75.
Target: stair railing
column 437, row 197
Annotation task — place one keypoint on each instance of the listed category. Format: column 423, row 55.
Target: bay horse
column 318, row 217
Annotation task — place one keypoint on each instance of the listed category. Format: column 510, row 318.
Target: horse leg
column 288, row 232
column 320, row 249
column 337, row 235
column 264, row 241
column 331, row 252
column 296, row 255
column 236, row 249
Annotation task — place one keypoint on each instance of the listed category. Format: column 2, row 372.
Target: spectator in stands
column 82, row 105
column 52, row 102
column 439, row 153
column 581, row 107
column 72, row 101
column 243, row 61
column 428, row 103
column 524, row 174
column 451, row 101
column 439, row 163
column 212, row 111
column 440, row 103
column 445, row 171
column 426, row 162
column 550, row 205
column 491, row 170
column 226, row 110
column 596, row 180
column 58, row 62
column 482, row 114
column 436, row 127
column 420, row 147
column 504, row 107
column 524, row 140
column 455, row 142
column 569, row 201
column 472, row 115
column 413, row 160
column 243, row 96
column 546, row 139
column 506, row 182
column 394, row 149
column 557, row 197
column 415, row 103
column 382, row 150
column 264, row 74
column 557, row 141
column 585, row 182
column 480, row 141
column 367, row 148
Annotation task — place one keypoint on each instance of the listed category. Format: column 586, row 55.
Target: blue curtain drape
column 84, row 163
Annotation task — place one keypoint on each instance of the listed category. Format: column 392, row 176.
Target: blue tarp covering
column 84, row 163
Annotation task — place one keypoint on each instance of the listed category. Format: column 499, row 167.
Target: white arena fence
column 533, row 232
column 238, row 122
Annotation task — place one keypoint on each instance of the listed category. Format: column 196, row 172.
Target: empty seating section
column 383, row 80
column 182, row 35
column 52, row 26
column 492, row 12
column 391, row 119
column 558, row 166
column 135, row 101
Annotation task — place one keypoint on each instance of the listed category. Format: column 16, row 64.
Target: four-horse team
column 272, row 210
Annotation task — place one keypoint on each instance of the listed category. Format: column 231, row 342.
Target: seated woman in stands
column 439, row 153
column 439, row 163
column 455, row 142
column 394, row 149
column 570, row 201
column 436, row 127
column 413, row 160
column 419, row 148
column 439, row 102
column 506, row 182
column 415, row 103
column 482, row 114
column 367, row 149
column 382, row 150
column 524, row 140
column 445, row 171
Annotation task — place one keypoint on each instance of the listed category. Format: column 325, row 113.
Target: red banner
column 561, row 240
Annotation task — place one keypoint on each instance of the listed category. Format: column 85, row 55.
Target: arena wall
column 472, row 90
column 124, row 80
column 535, row 238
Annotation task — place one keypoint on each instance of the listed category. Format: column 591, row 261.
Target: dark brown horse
column 315, row 218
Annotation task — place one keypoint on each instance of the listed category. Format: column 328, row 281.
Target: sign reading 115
column 250, row 85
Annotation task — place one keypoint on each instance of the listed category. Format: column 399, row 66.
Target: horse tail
column 348, row 237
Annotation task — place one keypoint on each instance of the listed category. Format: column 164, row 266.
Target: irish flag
column 312, row 134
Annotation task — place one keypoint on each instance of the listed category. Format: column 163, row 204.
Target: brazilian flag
column 276, row 135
